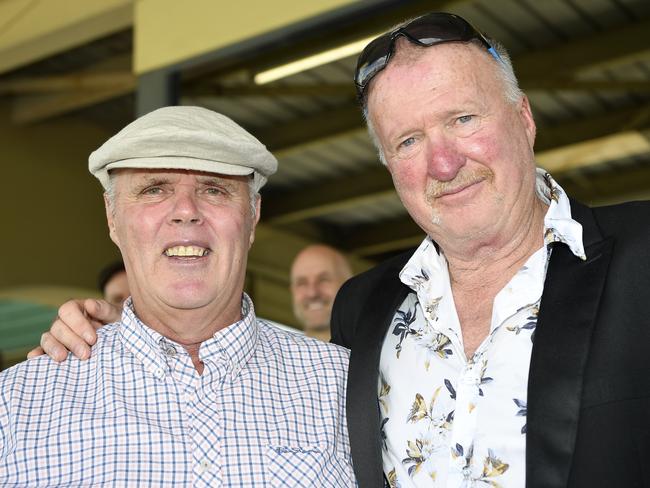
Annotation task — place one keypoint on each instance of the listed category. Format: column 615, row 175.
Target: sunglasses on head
column 427, row 30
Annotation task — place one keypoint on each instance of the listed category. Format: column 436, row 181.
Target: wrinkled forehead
column 443, row 60
column 312, row 267
column 313, row 263
column 129, row 176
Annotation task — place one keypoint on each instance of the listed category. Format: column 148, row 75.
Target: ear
column 110, row 219
column 526, row 115
column 258, row 209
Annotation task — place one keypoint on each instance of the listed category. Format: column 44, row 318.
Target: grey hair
column 109, row 192
column 506, row 72
column 253, row 194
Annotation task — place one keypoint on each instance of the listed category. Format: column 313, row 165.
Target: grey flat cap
column 184, row 138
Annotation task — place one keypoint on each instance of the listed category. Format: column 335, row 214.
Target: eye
column 214, row 190
column 152, row 190
column 463, row 119
column 407, row 142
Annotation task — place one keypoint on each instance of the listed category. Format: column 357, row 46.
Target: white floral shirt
column 453, row 421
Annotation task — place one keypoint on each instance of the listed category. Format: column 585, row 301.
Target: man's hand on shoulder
column 74, row 329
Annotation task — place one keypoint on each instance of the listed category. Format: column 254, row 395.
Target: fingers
column 52, row 347
column 60, row 339
column 101, row 312
column 75, row 324
column 70, row 331
column 34, row 353
column 74, row 328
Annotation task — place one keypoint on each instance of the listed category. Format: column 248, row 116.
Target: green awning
column 22, row 323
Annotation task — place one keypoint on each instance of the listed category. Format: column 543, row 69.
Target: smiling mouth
column 449, row 191
column 315, row 306
column 186, row 252
column 464, row 180
column 458, row 189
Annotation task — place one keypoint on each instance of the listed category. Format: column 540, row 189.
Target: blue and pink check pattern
column 269, row 410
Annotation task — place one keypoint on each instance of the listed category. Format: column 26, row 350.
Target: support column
column 156, row 89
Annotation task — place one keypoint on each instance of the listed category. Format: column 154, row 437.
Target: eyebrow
column 145, row 181
column 162, row 179
column 149, row 179
column 225, row 183
column 213, row 179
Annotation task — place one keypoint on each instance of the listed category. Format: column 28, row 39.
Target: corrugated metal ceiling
column 344, row 156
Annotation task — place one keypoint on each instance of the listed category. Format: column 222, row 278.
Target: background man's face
column 460, row 154
column 184, row 237
column 317, row 274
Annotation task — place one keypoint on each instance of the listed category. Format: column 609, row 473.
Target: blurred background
column 73, row 73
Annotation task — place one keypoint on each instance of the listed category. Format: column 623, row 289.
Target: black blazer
column 588, row 419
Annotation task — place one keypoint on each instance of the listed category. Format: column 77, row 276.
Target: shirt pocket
column 307, row 466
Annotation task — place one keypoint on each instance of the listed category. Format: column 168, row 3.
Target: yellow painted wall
column 53, row 222
column 32, row 30
column 169, row 31
column 166, row 31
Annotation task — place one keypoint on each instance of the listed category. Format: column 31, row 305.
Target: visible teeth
column 186, row 251
column 315, row 305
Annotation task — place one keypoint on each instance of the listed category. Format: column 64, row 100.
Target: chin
column 317, row 325
column 187, row 300
column 185, row 304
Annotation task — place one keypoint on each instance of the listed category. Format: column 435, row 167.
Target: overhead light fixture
column 309, row 62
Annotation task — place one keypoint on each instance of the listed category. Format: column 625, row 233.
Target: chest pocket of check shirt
column 307, row 466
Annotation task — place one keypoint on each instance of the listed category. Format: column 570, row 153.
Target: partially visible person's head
column 454, row 130
column 113, row 284
column 182, row 205
column 317, row 273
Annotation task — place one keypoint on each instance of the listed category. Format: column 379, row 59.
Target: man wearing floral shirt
column 510, row 349
column 441, row 435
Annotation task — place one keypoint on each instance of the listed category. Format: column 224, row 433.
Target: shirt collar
column 558, row 227
column 558, row 224
column 234, row 344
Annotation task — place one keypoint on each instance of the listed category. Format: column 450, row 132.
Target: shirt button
column 470, row 379
column 204, row 466
column 167, row 348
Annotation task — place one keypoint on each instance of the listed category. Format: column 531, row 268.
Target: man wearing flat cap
column 188, row 387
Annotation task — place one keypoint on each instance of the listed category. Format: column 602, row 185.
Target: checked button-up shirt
column 268, row 410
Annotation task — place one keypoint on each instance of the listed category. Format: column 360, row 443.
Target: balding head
column 317, row 273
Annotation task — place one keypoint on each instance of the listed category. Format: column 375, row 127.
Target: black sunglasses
column 427, row 30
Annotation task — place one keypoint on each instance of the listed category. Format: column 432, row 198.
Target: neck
column 193, row 351
column 189, row 328
column 490, row 262
column 320, row 334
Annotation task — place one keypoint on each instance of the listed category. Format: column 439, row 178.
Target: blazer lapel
column 566, row 320
column 362, row 405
